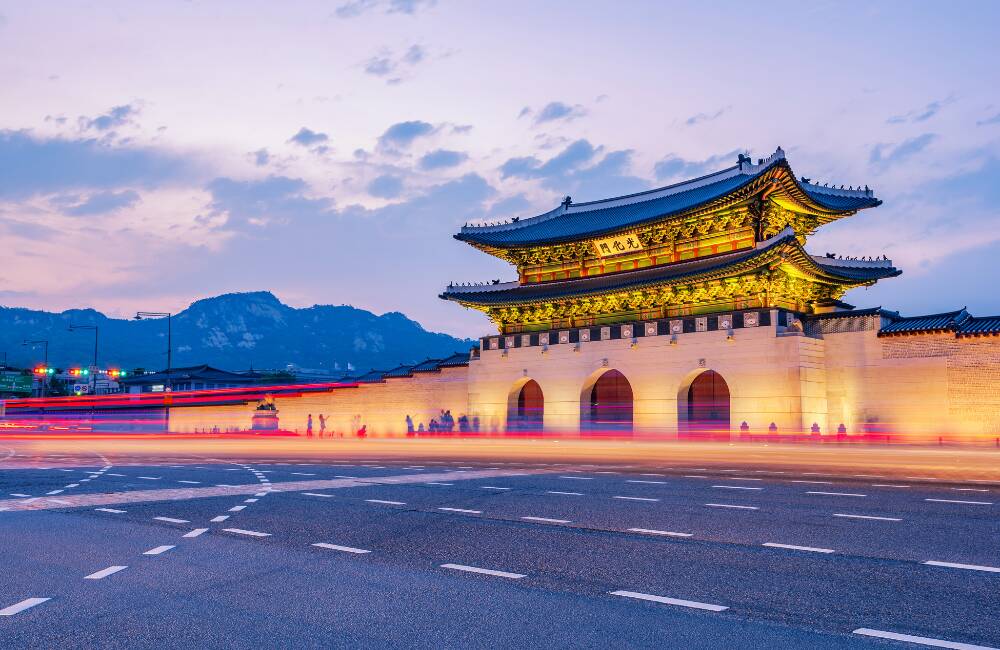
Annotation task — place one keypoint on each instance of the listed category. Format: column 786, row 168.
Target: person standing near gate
column 309, row 426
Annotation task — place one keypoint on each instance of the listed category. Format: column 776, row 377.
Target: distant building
column 203, row 377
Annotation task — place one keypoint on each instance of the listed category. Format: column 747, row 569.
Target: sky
column 155, row 153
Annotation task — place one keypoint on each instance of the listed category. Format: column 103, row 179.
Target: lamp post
column 45, row 343
column 74, row 328
column 141, row 315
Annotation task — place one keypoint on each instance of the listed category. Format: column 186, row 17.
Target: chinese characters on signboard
column 617, row 245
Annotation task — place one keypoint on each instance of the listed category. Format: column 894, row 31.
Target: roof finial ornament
column 568, row 201
column 806, row 180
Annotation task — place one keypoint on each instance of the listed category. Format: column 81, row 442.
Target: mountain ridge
column 234, row 331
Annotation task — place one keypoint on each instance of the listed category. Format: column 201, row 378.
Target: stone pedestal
column 264, row 421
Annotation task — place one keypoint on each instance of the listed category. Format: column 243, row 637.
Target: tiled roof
column 571, row 221
column 399, row 371
column 455, row 360
column 980, row 326
column 514, row 292
column 197, row 373
column 948, row 321
column 853, row 313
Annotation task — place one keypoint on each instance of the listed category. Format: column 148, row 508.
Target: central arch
column 706, row 414
column 607, row 406
column 526, row 407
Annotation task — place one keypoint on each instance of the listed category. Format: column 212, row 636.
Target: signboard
column 16, row 384
column 617, row 245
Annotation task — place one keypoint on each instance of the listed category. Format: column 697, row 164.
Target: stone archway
column 525, row 407
column 606, row 405
column 704, row 407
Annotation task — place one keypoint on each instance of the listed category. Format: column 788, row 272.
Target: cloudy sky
column 154, row 153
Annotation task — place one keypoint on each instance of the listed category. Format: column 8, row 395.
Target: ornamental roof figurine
column 732, row 239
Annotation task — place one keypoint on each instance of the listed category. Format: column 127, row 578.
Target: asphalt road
column 183, row 551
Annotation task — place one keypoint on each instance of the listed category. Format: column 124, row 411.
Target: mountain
column 232, row 331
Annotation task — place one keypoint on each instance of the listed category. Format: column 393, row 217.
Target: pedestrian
column 309, row 426
column 420, row 428
column 363, row 431
column 433, row 426
column 322, row 425
column 409, row 427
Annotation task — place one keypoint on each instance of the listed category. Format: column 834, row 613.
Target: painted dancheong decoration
column 730, row 240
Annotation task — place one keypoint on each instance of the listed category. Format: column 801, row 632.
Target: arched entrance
column 608, row 407
column 528, row 408
column 707, row 408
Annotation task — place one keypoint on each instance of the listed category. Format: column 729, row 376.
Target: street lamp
column 74, row 328
column 45, row 343
column 142, row 315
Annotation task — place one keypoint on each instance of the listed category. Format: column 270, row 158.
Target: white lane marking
column 729, row 505
column 570, row 494
column 579, row 478
column 635, row 498
column 316, row 494
column 641, row 481
column 390, row 503
column 872, row 517
column 921, row 478
column 736, row 487
column 345, row 549
column 73, row 485
column 54, row 492
column 17, row 608
column 191, row 482
column 889, row 485
column 150, row 478
column 249, row 500
column 651, row 531
column 838, row 494
column 195, row 532
column 172, row 520
column 670, row 601
column 216, row 520
column 956, row 489
column 237, row 508
column 970, row 567
column 793, row 547
column 251, row 533
column 489, row 572
column 546, row 520
column 342, row 476
column 112, row 510
column 813, row 482
column 920, row 640
column 104, row 573
column 436, row 483
column 694, row 476
column 260, row 494
column 121, row 475
column 652, row 474
column 463, row 510
column 971, row 503
column 302, row 474
column 158, row 550
column 493, row 487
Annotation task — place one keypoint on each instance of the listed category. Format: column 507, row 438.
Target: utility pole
column 45, row 377
column 142, row 315
column 96, row 329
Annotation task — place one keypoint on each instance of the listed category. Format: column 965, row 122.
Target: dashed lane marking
column 172, row 520
column 73, row 485
column 436, row 483
column 670, row 601
column 838, row 494
column 729, row 505
column 104, row 573
column 54, row 492
column 889, row 485
column 546, row 520
column 635, row 498
column 920, row 640
column 651, row 531
column 195, row 532
column 17, row 608
column 970, row 503
column 345, row 549
column 955, row 489
column 111, row 510
column 249, row 500
column 191, row 482
column 251, row 533
column 793, row 547
column 493, row 487
column 569, row 494
column 316, row 494
column 578, row 478
column 651, row 482
column 489, row 572
column 969, row 567
column 736, row 487
column 150, row 478
column 388, row 503
column 872, row 517
column 237, row 508
column 19, row 494
column 463, row 511
column 158, row 550
column 813, row 482
column 216, row 520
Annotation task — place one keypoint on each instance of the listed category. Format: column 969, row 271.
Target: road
column 247, row 551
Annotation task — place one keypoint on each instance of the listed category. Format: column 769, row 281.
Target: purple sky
column 154, row 153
